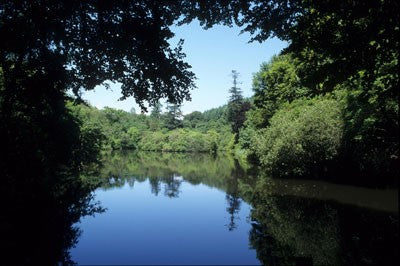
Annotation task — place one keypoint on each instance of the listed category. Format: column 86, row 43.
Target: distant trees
column 237, row 106
column 193, row 119
column 183, row 140
column 125, row 130
column 236, row 93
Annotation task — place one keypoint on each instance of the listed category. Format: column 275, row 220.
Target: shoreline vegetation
column 285, row 129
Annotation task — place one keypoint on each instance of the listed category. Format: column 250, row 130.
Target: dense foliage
column 197, row 132
column 276, row 83
column 295, row 130
column 302, row 138
column 84, row 44
column 42, row 157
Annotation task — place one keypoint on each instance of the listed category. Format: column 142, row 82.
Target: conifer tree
column 156, row 111
column 235, row 91
column 237, row 106
column 173, row 117
column 156, row 115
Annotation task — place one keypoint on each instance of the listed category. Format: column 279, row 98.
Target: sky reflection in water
column 194, row 209
column 142, row 228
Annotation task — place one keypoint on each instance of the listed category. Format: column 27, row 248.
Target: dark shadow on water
column 37, row 227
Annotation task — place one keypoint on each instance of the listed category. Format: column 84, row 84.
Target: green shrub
column 302, row 138
column 152, row 141
column 183, row 140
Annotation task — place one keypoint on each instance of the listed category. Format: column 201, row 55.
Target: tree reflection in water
column 233, row 194
column 155, row 183
column 170, row 170
column 233, row 208
column 291, row 230
column 172, row 184
column 293, row 221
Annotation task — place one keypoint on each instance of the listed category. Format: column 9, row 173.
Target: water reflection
column 166, row 172
column 213, row 171
column 293, row 224
column 233, row 209
column 168, row 209
column 233, row 197
column 155, row 183
column 172, row 184
column 292, row 221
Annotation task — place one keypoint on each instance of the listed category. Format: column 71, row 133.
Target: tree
column 80, row 45
column 156, row 111
column 49, row 47
column 155, row 117
column 276, row 83
column 237, row 106
column 303, row 139
column 193, row 119
column 173, row 117
column 235, row 91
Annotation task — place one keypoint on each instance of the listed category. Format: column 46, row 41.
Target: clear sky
column 213, row 54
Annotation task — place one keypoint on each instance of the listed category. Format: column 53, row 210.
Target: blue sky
column 213, row 54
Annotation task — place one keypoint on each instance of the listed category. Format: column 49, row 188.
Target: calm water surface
column 199, row 209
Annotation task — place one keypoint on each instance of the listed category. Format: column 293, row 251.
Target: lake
column 173, row 208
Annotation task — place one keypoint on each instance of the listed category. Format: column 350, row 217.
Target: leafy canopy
column 82, row 44
column 276, row 83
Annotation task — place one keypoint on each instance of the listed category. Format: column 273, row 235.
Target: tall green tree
column 276, row 83
column 173, row 117
column 237, row 106
column 236, row 93
column 193, row 119
column 156, row 111
column 155, row 122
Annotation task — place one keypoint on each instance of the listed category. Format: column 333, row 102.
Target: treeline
column 171, row 131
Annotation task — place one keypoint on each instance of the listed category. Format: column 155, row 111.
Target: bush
column 302, row 139
column 152, row 141
column 182, row 140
